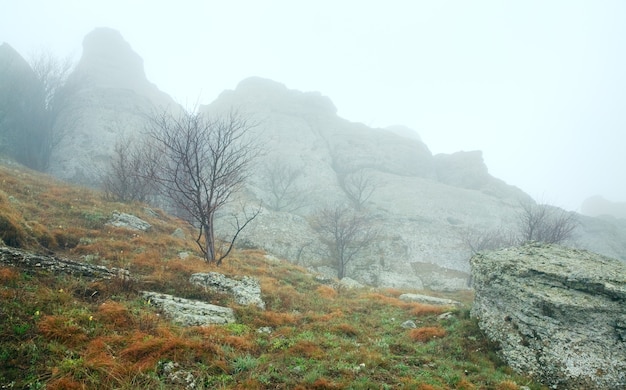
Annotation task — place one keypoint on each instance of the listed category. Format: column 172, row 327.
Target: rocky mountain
column 423, row 206
column 109, row 102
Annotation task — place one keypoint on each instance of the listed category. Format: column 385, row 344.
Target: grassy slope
column 62, row 332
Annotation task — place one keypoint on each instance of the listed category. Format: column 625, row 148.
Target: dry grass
column 427, row 333
column 61, row 332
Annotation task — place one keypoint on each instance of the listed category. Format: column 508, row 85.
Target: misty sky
column 538, row 86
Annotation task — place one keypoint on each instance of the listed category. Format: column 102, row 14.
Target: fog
column 538, row 86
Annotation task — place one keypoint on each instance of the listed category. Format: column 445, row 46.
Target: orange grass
column 114, row 314
column 427, row 333
column 59, row 328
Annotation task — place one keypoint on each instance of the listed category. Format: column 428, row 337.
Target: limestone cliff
column 110, row 101
column 423, row 203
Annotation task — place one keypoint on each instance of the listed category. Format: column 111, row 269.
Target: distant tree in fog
column 126, row 179
column 545, row 223
column 278, row 178
column 358, row 186
column 30, row 102
column 535, row 222
column 345, row 233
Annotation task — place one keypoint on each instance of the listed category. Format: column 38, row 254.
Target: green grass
column 62, row 332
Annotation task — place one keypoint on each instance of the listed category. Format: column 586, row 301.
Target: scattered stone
column 265, row 330
column 246, row 291
column 178, row 233
column 183, row 255
column 323, row 279
column 408, row 324
column 427, row 299
column 445, row 316
column 35, row 262
column 349, row 283
column 558, row 314
column 175, row 375
column 128, row 221
column 189, row 312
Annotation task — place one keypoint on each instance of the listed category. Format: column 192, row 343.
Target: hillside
column 424, row 206
column 61, row 331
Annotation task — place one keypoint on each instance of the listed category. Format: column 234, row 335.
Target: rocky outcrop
column 109, row 102
column 189, row 312
column 558, row 314
column 128, row 221
column 35, row 262
column 598, row 206
column 422, row 218
column 246, row 291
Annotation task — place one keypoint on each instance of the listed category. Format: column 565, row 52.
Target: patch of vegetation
column 63, row 332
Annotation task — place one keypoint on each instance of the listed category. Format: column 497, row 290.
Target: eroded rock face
column 559, row 314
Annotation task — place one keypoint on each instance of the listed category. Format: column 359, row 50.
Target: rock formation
column 597, row 206
column 423, row 203
column 110, row 101
column 558, row 314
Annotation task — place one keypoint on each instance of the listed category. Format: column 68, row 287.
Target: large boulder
column 559, row 314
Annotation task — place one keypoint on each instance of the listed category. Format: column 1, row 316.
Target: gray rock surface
column 559, row 314
column 427, row 299
column 596, row 206
column 128, row 221
column 110, row 101
column 246, row 291
column 188, row 312
column 36, row 262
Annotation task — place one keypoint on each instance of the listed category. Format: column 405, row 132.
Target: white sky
column 538, row 86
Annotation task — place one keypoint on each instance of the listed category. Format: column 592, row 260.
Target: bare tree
column 478, row 241
column 31, row 96
column 126, row 178
column 345, row 233
column 279, row 179
column 200, row 162
column 545, row 223
column 52, row 74
column 358, row 186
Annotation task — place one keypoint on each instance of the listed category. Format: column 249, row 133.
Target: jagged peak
column 110, row 61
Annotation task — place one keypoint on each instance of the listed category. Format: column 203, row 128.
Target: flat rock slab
column 189, row 312
column 558, row 314
column 427, row 299
column 36, row 262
